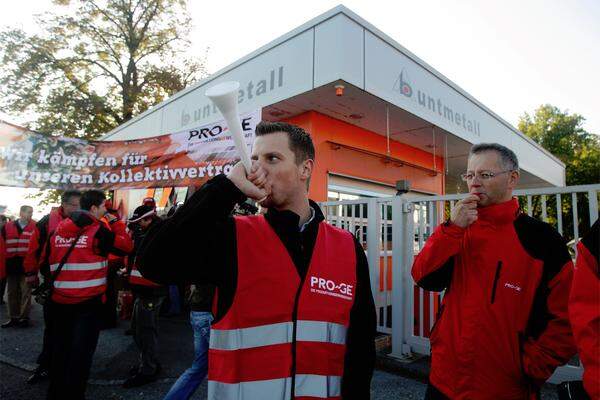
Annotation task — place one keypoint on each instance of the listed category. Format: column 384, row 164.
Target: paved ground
column 116, row 353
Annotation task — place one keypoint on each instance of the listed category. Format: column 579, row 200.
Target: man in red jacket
column 503, row 326
column 79, row 291
column 584, row 309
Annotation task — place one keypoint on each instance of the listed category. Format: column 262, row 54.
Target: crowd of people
column 281, row 302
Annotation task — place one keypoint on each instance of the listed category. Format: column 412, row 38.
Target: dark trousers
column 43, row 359
column 144, row 323
column 433, row 394
column 109, row 309
column 2, row 290
column 75, row 331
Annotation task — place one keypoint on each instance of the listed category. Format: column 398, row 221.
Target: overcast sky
column 512, row 55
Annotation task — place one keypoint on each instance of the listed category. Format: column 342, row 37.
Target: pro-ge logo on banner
column 331, row 288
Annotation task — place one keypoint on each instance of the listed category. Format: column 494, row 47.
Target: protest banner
column 189, row 157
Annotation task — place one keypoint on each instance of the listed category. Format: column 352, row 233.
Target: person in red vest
column 584, row 309
column 81, row 243
column 149, row 297
column 503, row 325
column 295, row 317
column 17, row 235
column 69, row 202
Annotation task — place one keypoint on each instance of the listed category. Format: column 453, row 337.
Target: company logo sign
column 329, row 287
column 435, row 104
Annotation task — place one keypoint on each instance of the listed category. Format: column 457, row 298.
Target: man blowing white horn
column 295, row 316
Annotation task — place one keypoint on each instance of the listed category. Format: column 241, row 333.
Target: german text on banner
column 189, row 157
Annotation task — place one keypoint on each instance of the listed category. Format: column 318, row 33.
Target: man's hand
column 254, row 185
column 465, row 211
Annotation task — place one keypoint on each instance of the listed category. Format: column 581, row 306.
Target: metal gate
column 393, row 230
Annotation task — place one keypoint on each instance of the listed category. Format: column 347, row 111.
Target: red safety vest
column 84, row 274
column 17, row 244
column 282, row 337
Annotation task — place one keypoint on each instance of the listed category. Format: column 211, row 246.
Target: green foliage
column 94, row 65
column 562, row 134
column 97, row 64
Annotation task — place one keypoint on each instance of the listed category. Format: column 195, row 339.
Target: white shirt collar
column 312, row 216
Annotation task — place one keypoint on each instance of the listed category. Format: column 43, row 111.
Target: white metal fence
column 393, row 230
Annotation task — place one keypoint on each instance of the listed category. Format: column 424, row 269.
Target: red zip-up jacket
column 584, row 309
column 503, row 326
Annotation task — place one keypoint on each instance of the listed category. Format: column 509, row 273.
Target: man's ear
column 306, row 169
column 514, row 179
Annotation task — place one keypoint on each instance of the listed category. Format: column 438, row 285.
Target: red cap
column 149, row 201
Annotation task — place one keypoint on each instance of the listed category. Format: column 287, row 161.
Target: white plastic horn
column 225, row 97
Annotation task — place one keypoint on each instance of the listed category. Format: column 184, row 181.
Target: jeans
column 175, row 299
column 189, row 381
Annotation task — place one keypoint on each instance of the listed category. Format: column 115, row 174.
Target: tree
column 562, row 134
column 97, row 64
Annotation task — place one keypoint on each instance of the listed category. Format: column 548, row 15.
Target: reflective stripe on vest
column 80, row 284
column 257, row 351
column 266, row 335
column 272, row 389
column 80, row 267
column 16, row 249
column 318, row 386
column 10, row 241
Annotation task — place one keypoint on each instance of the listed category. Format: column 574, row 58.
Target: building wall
column 344, row 161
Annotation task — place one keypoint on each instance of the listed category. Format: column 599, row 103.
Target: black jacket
column 199, row 245
column 138, row 235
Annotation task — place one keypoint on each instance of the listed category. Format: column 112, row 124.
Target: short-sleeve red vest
column 17, row 244
column 284, row 337
column 83, row 276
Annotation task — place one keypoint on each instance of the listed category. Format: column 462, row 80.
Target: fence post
column 373, row 250
column 593, row 206
column 402, row 235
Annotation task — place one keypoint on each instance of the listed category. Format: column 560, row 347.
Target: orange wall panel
column 324, row 129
